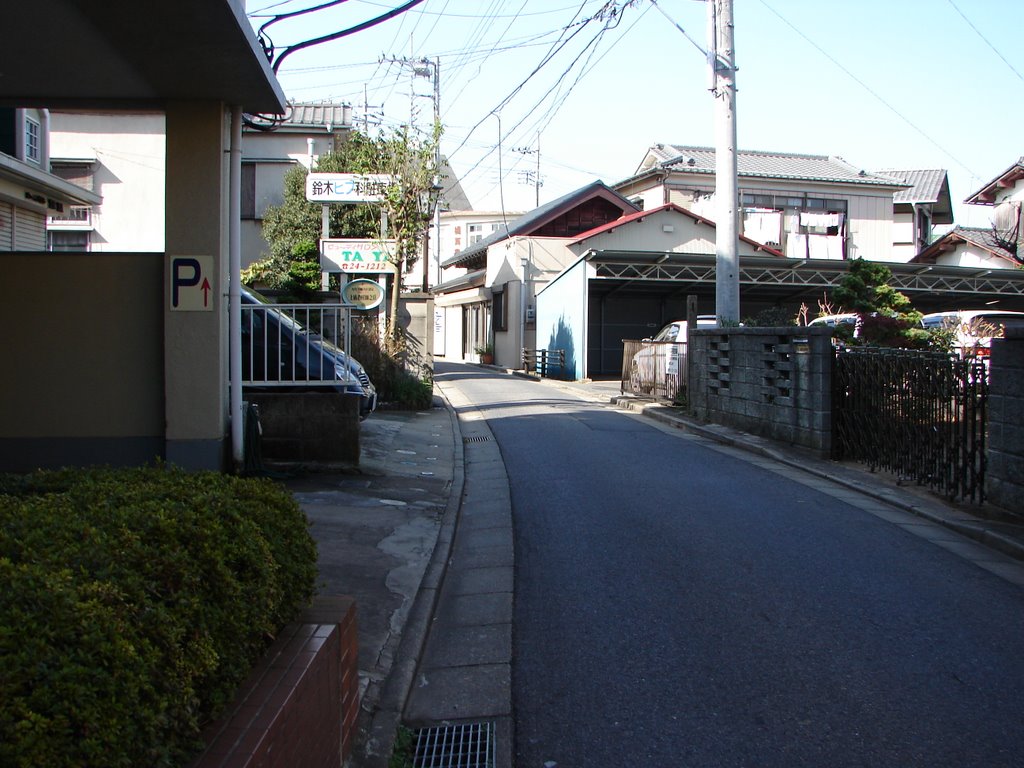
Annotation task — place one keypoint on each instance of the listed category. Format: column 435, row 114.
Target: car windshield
column 668, row 333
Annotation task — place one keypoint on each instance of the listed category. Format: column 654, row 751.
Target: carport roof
column 122, row 54
column 766, row 278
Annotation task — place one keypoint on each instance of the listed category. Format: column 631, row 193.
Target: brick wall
column 1005, row 472
column 774, row 382
column 299, row 705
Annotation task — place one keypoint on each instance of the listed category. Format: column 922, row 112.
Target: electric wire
column 870, row 90
column 344, row 32
column 986, row 40
column 555, row 48
column 590, row 47
column 676, row 24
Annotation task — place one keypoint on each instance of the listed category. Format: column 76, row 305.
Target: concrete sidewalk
column 383, row 530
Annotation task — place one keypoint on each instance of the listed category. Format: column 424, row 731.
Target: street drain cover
column 465, row 745
column 476, row 439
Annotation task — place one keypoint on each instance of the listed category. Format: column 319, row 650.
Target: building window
column 248, row 190
column 32, row 146
column 476, row 233
column 67, row 240
column 499, row 310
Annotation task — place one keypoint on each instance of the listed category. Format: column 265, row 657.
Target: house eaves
column 987, row 194
column 529, row 223
column 469, row 280
column 985, row 239
column 641, row 215
column 121, row 54
column 37, row 183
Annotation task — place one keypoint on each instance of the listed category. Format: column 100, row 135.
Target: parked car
column 655, row 365
column 973, row 329
column 279, row 354
column 833, row 321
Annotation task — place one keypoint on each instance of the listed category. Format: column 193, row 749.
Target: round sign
column 362, row 294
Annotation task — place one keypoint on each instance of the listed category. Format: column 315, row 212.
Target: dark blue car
column 279, row 354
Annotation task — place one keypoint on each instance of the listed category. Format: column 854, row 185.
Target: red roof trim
column 640, row 215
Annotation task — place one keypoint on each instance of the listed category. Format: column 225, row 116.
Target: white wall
column 129, row 151
column 968, row 255
column 869, row 210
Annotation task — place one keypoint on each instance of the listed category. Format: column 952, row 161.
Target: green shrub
column 771, row 317
column 134, row 603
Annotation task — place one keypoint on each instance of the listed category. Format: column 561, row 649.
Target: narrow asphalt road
column 681, row 604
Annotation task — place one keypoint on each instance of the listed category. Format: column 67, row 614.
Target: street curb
column 978, row 532
column 380, row 726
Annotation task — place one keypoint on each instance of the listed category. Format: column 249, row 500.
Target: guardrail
column 544, row 361
column 288, row 344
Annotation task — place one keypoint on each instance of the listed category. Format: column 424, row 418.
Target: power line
column 345, row 32
column 675, row 24
column 867, row 88
column 989, row 44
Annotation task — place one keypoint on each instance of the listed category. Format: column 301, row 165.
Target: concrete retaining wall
column 774, row 382
column 309, row 426
column 1005, row 473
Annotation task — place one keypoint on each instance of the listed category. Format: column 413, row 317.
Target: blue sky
column 883, row 84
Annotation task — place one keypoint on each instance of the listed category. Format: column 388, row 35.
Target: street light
column 427, row 202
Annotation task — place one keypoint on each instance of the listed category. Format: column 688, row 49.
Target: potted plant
column 486, row 352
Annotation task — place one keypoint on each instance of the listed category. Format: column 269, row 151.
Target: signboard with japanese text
column 347, row 187
column 362, row 294
column 357, row 255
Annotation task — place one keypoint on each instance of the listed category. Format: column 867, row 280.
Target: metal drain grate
column 476, row 439
column 466, row 745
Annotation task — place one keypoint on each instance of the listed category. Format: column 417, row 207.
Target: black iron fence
column 921, row 415
column 545, row 362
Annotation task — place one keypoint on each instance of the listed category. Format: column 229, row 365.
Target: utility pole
column 722, row 60
column 430, row 69
column 535, row 174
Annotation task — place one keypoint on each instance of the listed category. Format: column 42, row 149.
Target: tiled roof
column 987, row 194
column 984, row 238
column 927, row 184
column 528, row 222
column 318, row 115
column 770, row 165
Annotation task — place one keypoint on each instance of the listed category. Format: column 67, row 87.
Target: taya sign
column 347, row 187
column 357, row 255
column 362, row 294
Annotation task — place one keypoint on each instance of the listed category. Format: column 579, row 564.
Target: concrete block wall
column 773, row 382
column 1005, row 471
column 299, row 706
column 309, row 426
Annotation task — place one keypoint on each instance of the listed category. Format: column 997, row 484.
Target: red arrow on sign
column 205, row 288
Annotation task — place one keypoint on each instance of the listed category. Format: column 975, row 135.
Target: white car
column 656, row 365
column 973, row 329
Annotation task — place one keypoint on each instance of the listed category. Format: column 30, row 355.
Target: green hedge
column 133, row 604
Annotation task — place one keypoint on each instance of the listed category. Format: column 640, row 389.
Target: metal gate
column 921, row 415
